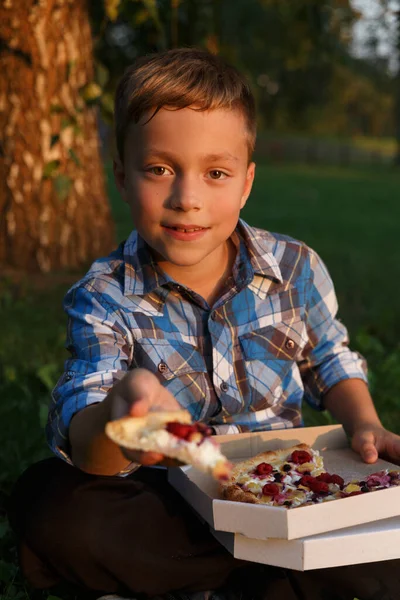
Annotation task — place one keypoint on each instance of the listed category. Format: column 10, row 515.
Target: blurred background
column 326, row 77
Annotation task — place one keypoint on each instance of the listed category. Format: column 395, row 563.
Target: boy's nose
column 186, row 196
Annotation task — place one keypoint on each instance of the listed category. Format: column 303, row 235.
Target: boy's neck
column 208, row 279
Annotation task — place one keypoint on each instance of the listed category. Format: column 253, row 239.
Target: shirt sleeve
column 101, row 350
column 326, row 359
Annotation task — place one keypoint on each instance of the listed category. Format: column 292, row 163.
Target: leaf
column 107, row 102
column 54, row 140
column 112, row 9
column 47, row 374
column 10, row 373
column 91, row 92
column 7, row 571
column 102, row 74
column 74, row 157
column 62, row 186
column 141, row 17
column 50, row 168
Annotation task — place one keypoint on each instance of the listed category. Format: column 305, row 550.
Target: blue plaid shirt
column 244, row 364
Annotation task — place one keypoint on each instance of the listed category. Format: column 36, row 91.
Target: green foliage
column 299, row 61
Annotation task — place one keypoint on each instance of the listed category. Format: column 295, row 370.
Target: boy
column 198, row 310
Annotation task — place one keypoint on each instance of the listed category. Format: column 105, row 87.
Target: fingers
column 369, row 453
column 365, row 444
column 147, row 459
column 145, row 393
column 392, row 447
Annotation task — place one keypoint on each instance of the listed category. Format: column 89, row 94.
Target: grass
column 349, row 216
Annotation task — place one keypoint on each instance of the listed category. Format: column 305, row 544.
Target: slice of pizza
column 289, row 477
column 174, row 435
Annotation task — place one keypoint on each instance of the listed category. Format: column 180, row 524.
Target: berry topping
column 319, row 487
column 180, row 430
column 380, row 478
column 324, row 477
column 286, row 468
column 278, row 477
column 338, row 480
column 270, row 489
column 264, row 469
column 365, row 488
column 300, row 457
column 287, row 503
column 204, row 429
column 307, row 480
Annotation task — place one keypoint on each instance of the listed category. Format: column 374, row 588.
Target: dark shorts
column 136, row 535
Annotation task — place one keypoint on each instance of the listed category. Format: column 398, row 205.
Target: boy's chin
column 183, row 259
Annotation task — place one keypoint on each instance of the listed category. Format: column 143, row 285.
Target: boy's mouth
column 185, row 228
column 185, row 233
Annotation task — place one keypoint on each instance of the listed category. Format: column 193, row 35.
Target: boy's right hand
column 138, row 393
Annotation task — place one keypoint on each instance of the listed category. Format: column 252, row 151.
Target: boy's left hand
column 374, row 441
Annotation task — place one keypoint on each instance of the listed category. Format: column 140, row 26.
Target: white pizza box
column 371, row 542
column 262, row 522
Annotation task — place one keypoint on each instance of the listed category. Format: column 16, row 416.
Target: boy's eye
column 158, row 171
column 216, row 174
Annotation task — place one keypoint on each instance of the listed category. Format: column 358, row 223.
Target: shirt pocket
column 269, row 354
column 179, row 366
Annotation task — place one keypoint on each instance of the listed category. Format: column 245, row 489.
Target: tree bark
column 54, row 212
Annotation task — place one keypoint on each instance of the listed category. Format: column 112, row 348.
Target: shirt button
column 69, row 375
column 224, row 386
column 289, row 344
column 162, row 367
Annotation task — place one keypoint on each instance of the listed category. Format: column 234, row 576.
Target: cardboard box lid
column 366, row 543
column 262, row 522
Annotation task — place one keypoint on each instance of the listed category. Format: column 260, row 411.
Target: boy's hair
column 181, row 78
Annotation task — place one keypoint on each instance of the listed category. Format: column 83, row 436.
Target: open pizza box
column 260, row 522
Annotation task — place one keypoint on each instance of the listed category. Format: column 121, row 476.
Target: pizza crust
column 150, row 435
column 127, row 431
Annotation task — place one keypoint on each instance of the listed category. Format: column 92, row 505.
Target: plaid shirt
column 244, row 364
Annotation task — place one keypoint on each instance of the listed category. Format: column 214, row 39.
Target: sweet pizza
column 174, row 435
column 296, row 477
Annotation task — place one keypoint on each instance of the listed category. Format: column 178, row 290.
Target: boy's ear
column 251, row 169
column 119, row 176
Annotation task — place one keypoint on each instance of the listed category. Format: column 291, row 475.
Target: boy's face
column 185, row 178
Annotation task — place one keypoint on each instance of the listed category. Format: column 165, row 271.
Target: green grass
column 350, row 217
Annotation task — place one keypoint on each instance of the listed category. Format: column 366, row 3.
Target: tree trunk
column 54, row 211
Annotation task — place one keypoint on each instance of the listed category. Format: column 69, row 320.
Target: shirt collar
column 260, row 245
column 143, row 276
